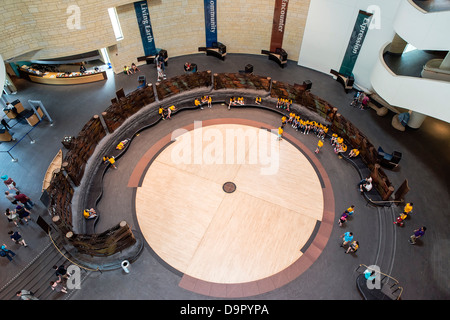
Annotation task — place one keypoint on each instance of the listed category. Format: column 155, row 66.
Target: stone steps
column 36, row 276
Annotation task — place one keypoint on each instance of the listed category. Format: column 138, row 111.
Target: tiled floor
column 421, row 269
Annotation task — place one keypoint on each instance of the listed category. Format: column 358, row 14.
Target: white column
column 415, row 119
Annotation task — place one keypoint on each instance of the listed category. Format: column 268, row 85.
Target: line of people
column 18, row 215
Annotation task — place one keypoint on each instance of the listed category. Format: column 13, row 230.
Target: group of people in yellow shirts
column 284, row 103
column 204, row 99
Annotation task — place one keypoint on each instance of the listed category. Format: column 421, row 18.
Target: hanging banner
column 279, row 21
column 145, row 27
column 210, row 22
column 356, row 41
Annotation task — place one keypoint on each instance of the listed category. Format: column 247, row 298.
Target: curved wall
column 425, row 96
column 39, row 29
column 421, row 29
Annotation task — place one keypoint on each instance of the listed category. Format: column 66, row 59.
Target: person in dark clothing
column 61, row 271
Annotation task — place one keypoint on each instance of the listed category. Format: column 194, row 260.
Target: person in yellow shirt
column 319, row 145
column 350, row 210
column 170, row 110
column 161, row 113
column 197, row 103
column 280, row 133
column 89, row 213
column 111, row 160
column 258, row 100
column 353, row 153
column 209, row 102
column 408, row 208
column 283, row 120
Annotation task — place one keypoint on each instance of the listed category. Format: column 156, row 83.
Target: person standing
column 5, row 252
column 408, row 208
column 418, row 233
column 17, row 238
column 24, row 199
column 26, row 295
column 58, row 286
column 170, row 110
column 353, row 247
column 280, row 133
column 319, row 146
column 12, row 216
column 350, row 210
column 9, row 183
column 61, row 271
column 342, row 219
column 346, row 238
column 10, row 197
column 23, row 213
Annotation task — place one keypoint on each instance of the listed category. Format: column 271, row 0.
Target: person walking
column 58, row 286
column 5, row 252
column 12, row 216
column 408, row 208
column 350, row 210
column 23, row 213
column 319, row 145
column 353, row 247
column 17, row 238
column 24, row 199
column 343, row 219
column 418, row 233
column 10, row 197
column 280, row 133
column 26, row 295
column 61, row 271
column 346, row 238
column 9, row 183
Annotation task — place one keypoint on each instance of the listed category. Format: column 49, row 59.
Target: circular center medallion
column 229, row 187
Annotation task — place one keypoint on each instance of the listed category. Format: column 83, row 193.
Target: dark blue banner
column 145, row 27
column 210, row 22
column 355, row 43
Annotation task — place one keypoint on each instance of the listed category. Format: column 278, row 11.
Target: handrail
column 386, row 275
column 54, row 244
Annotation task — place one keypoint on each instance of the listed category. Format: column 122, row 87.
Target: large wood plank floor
column 250, row 234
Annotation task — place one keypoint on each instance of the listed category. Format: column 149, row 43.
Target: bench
column 279, row 56
column 347, row 82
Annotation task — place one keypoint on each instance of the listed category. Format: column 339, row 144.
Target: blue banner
column 145, row 27
column 210, row 22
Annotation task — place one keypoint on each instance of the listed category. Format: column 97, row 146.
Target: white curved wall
column 426, row 96
column 425, row 31
column 327, row 33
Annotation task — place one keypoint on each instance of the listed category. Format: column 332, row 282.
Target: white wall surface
column 426, row 96
column 328, row 29
column 425, row 31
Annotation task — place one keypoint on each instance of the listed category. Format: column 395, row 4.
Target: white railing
column 427, row 96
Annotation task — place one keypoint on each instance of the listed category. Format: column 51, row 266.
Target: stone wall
column 41, row 29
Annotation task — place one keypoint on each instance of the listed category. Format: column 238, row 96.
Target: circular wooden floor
column 227, row 203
